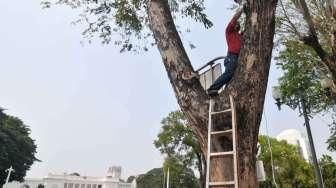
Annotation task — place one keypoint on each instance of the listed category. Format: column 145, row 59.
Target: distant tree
column 17, row 148
column 177, row 141
column 130, row 179
column 180, row 177
column 328, row 168
column 153, row 178
column 291, row 170
column 75, row 174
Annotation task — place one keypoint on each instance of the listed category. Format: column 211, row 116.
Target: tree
column 176, row 140
column 130, row 179
column 17, row 149
column 301, row 81
column 313, row 24
column 153, row 178
column 328, row 169
column 179, row 177
column 145, row 18
column 291, row 170
column 306, row 33
column 74, row 174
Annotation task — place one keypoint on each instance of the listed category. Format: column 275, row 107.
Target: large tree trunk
column 250, row 83
column 248, row 86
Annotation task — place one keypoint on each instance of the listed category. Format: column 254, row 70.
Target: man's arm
column 236, row 16
column 233, row 21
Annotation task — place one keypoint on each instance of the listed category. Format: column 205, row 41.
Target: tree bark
column 200, row 166
column 250, row 83
column 190, row 95
column 248, row 86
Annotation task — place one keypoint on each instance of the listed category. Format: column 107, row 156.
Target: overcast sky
column 90, row 107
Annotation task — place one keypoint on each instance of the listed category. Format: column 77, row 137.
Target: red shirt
column 233, row 38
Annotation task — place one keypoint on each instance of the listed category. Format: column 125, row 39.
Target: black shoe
column 212, row 93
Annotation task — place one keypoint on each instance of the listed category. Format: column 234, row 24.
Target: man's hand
column 241, row 6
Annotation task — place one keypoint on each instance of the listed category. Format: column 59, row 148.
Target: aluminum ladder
column 233, row 153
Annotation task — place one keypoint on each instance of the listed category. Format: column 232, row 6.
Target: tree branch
column 312, row 38
column 189, row 92
column 291, row 24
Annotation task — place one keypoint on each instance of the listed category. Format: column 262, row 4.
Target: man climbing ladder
column 234, row 41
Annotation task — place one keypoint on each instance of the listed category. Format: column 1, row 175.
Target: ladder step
column 221, row 153
column 220, row 112
column 221, row 132
column 221, row 183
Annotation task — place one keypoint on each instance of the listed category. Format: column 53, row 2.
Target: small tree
column 179, row 177
column 328, row 170
column 291, row 170
column 130, row 179
column 17, row 148
column 177, row 141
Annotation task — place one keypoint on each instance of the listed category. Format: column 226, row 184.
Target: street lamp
column 327, row 83
column 276, row 93
column 329, row 86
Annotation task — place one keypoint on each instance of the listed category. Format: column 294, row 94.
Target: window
column 94, row 186
column 70, row 185
column 99, row 186
column 65, row 185
column 88, row 186
column 83, row 186
column 76, row 185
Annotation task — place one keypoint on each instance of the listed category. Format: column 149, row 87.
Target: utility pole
column 317, row 171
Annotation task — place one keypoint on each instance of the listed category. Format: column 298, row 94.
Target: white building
column 295, row 137
column 111, row 180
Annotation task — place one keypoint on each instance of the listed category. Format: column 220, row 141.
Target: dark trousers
column 230, row 64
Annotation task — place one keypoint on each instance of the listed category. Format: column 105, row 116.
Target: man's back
column 233, row 37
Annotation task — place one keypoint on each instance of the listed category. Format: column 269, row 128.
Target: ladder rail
column 234, row 141
column 207, row 179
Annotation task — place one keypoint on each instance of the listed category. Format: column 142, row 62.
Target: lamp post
column 276, row 93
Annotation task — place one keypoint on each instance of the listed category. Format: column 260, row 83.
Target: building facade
column 111, row 180
column 295, row 137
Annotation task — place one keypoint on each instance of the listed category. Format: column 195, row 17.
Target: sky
column 90, row 107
